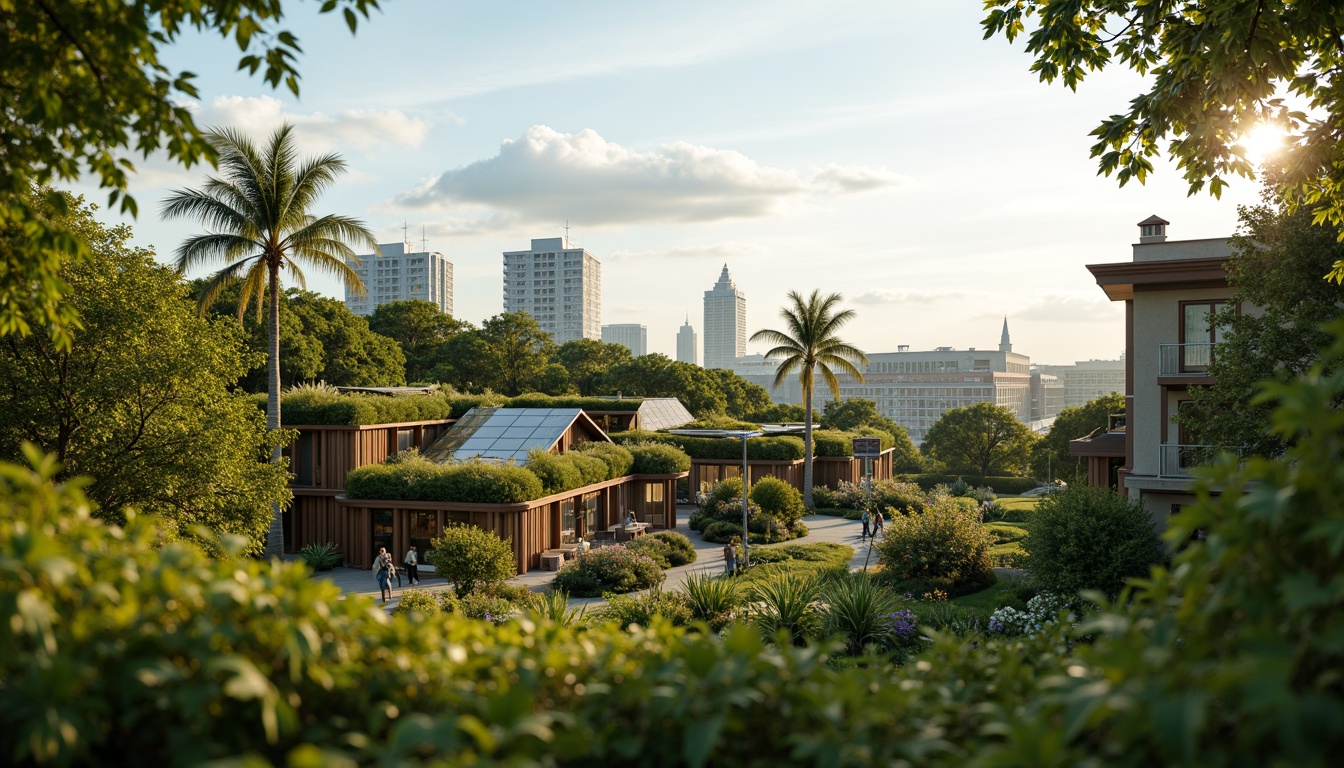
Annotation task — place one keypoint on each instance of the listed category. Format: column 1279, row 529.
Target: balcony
column 1177, row 460
column 1191, row 359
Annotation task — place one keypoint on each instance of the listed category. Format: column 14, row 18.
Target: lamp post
column 744, row 436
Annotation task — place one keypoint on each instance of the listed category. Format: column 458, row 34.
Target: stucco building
column 632, row 336
column 396, row 273
column 561, row 287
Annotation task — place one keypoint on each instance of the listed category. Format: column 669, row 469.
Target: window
column 381, row 520
column 405, row 439
column 590, row 513
column 567, row 522
column 1199, row 334
column 655, row 508
column 424, row 528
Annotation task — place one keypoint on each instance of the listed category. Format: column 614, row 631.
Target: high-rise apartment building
column 396, row 274
column 687, row 351
column 560, row 287
column 632, row 336
column 725, row 323
column 1086, row 380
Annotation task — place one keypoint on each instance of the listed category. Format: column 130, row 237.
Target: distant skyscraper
column 397, row 274
column 725, row 323
column 687, row 351
column 560, row 287
column 632, row 336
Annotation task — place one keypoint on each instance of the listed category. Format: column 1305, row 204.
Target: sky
column 884, row 151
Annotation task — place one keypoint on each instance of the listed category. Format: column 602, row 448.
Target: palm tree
column 808, row 346
column 257, row 216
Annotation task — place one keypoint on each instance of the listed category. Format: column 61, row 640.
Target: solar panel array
column 502, row 434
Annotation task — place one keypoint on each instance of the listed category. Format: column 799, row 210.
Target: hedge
column 781, row 448
column 618, row 459
column 538, row 400
column 1003, row 485
column 833, row 442
column 658, row 459
column 310, row 405
column 423, row 480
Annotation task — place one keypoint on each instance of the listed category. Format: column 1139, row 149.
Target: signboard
column 867, row 447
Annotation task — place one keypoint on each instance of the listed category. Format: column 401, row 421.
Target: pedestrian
column 879, row 522
column 629, row 519
column 867, row 520
column 382, row 572
column 729, row 558
column 412, row 561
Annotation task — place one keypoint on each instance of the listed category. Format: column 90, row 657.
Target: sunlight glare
column 1262, row 142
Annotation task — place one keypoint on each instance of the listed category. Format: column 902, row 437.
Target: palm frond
column 254, row 287
column 217, row 283
column 201, row 249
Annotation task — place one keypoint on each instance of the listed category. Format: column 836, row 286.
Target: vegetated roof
column 506, row 434
column 389, row 391
column 657, row 413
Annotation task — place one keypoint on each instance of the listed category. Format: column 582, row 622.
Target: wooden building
column 826, row 470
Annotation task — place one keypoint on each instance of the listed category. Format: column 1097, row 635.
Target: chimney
column 1153, row 230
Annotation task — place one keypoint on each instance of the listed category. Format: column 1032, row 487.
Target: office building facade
column 688, row 350
column 560, row 287
column 632, row 336
column 725, row 323
column 397, row 273
column 1087, row 380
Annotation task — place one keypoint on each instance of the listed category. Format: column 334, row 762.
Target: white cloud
column 726, row 251
column 550, row 176
column 905, row 297
column 1053, row 308
column 361, row 129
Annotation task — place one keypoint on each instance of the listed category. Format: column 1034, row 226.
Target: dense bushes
column 719, row 515
column 782, row 448
column 608, row 569
column 656, row 459
column 944, row 542
column 326, row 406
column 556, row 473
column 418, row 479
column 1001, row 485
column 618, row 459
column 471, row 558
column 1089, row 538
column 833, row 442
column 777, row 499
column 667, row 548
column 321, row 557
column 902, row 498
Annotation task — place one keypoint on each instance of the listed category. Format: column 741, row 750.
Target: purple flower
column 904, row 623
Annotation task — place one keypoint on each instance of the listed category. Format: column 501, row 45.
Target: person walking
column 879, row 522
column 730, row 557
column 412, row 561
column 382, row 572
column 867, row 520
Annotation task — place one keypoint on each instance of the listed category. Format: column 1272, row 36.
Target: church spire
column 1005, row 345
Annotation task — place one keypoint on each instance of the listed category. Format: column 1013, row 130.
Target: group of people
column 873, row 523
column 384, row 570
column 732, row 553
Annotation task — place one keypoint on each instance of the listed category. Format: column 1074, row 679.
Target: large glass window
column 1199, row 334
column 382, row 529
column 405, row 439
column 424, row 527
column 567, row 522
column 655, row 507
column 589, row 513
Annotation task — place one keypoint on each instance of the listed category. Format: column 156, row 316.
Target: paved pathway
column 708, row 559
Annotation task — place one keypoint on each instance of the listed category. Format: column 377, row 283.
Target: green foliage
column 553, row 605
column 1051, row 453
column 722, row 531
column 614, row 569
column 488, row 607
column 656, row 459
column 1090, row 539
column 586, row 361
column 420, row 328
column 714, row 600
column 418, row 479
column 775, row 413
column 471, row 558
column 788, row 604
column 514, row 354
column 1004, row 485
column 981, row 438
column 719, row 421
column 141, row 400
column 619, row 461
column 321, row 557
column 86, row 88
column 781, row 448
column 656, row 375
column 680, row 549
column 1235, row 56
column 557, row 473
column 777, row 499
column 887, row 495
column 419, row 601
column 822, row 558
column 944, row 541
column 325, row 406
column 641, row 610
column 859, row 610
column 657, row 550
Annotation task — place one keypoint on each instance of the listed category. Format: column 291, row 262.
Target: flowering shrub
column 889, row 495
column 667, row 548
column 608, row 569
column 1042, row 610
column 944, row 541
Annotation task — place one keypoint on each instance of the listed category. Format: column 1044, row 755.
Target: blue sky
column 881, row 150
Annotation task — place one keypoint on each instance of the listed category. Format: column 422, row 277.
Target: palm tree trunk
column 807, row 450
column 275, row 537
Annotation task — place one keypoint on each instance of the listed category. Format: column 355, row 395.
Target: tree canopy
column 1214, row 70
column 1051, row 459
column 588, row 360
column 420, row 327
column 853, row 413
column 141, row 402
column 982, row 439
column 83, row 91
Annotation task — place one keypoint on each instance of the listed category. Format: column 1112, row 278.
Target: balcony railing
column 1177, row 460
column 1191, row 359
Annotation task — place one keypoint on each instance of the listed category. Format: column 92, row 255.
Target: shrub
column 824, row 498
column 1001, row 485
column 591, row 468
column 860, row 611
column 556, row 473
column 787, row 604
column 553, row 605
column 618, row 460
column 656, row 459
column 883, row 494
column 1089, row 538
column 657, row 550
column 728, row 490
column 680, row 549
column 626, row 610
column 781, row 448
column 945, row 541
column 721, row 532
column 327, row 406
column 321, row 557
column 608, row 569
column 1041, row 611
column 419, row 601
column 713, row 600
column 418, row 479
column 491, row 608
column 471, row 558
column 777, row 499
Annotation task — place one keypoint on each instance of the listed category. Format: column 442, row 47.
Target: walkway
column 708, row 559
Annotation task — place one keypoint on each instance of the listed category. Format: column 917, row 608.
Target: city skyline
column 680, row 141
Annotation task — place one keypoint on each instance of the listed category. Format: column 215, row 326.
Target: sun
column 1262, row 142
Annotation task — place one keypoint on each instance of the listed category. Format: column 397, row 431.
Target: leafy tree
column 420, row 327
column 84, row 88
column 852, row 414
column 1278, row 257
column 1215, row 69
column 260, row 212
column 982, row 439
column 740, row 396
column 1050, row 457
column 140, row 402
column 809, row 345
column 512, row 356
column 657, row 375
column 352, row 354
column 588, row 360
column 471, row 557
column 775, row 413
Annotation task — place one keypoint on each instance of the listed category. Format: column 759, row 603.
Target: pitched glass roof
column 502, row 434
column 658, row 413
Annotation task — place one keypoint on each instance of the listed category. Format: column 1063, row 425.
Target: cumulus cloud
column 360, row 129
column 547, row 175
column 905, row 297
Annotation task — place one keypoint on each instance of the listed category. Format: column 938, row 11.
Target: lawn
column 778, row 559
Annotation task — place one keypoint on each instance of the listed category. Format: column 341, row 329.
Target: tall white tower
column 687, row 351
column 725, row 323
column 560, row 287
column 397, row 273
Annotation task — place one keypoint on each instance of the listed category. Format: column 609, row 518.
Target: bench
column 551, row 561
